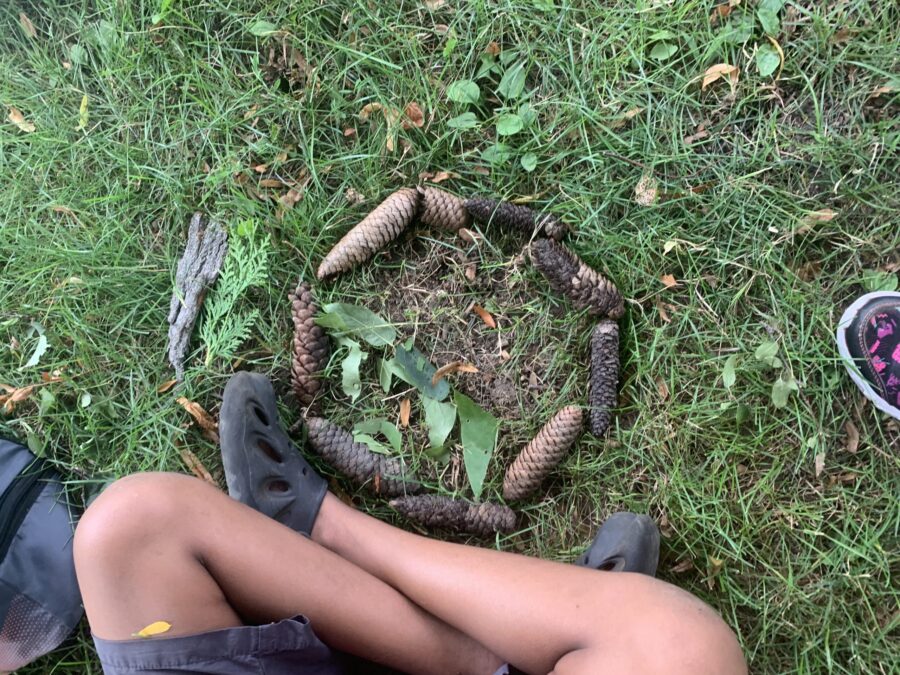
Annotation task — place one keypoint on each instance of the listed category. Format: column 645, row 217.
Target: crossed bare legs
column 166, row 546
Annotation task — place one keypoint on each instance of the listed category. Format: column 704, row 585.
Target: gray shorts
column 289, row 647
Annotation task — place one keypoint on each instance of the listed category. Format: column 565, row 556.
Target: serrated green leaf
column 767, row 60
column 729, row 375
column 766, row 352
column 262, row 28
column 439, row 419
column 359, row 321
column 497, row 154
column 350, row 381
column 413, row 367
column 529, row 161
column 509, row 124
column 512, row 84
column 464, row 91
column 663, row 50
column 478, row 434
column 385, row 374
column 467, row 120
column 781, row 391
column 768, row 19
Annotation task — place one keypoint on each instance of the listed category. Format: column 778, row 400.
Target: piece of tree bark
column 457, row 515
column 544, row 452
column 603, row 394
column 383, row 475
column 198, row 269
column 380, row 227
column 570, row 276
column 442, row 210
column 311, row 347
column 515, row 217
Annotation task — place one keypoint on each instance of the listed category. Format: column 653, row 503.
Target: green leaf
column 729, row 376
column 527, row 113
column 413, row 367
column 768, row 19
column 39, row 350
column 371, row 443
column 876, row 280
column 83, row 114
column 359, row 321
column 350, row 382
column 497, row 154
column 781, row 391
column 85, row 400
column 663, row 50
column 662, row 35
column 772, row 5
column 467, row 120
column 392, row 433
column 464, row 91
column 740, row 30
column 478, row 433
column 766, row 352
column 161, row 12
column 512, row 84
column 529, row 162
column 767, row 60
column 439, row 419
column 741, row 414
column 48, row 401
column 77, row 55
column 450, row 46
column 379, row 425
column 262, row 28
column 509, row 124
column 385, row 373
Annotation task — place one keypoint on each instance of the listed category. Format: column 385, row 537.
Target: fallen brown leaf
column 878, row 91
column 196, row 466
column 471, row 271
column 468, row 235
column 405, row 409
column 414, row 116
column 452, row 367
column 668, row 280
column 17, row 118
column 813, row 217
column 820, row 463
column 720, row 71
column 441, row 176
column 349, row 131
column 14, row 396
column 646, row 190
column 261, row 168
column 851, row 445
column 270, row 183
column 435, row 5
column 204, row 419
column 353, row 196
column 485, row 316
column 714, row 568
column 493, row 48
column 165, row 386
column 662, row 388
column 698, row 136
column 683, row 566
column 841, row 35
column 663, row 314
column 27, row 26
column 290, row 198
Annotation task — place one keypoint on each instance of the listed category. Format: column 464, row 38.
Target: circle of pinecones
column 567, row 275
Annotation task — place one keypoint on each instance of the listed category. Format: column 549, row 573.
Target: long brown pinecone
column 457, row 515
column 381, row 226
column 443, row 210
column 515, row 217
column 603, row 394
column 570, row 276
column 383, row 475
column 543, row 453
column 311, row 347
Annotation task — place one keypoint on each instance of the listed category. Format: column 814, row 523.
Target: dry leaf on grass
column 721, row 71
column 414, row 116
column 155, row 628
column 493, row 48
column 820, row 464
column 27, row 26
column 290, row 198
column 441, row 176
column 714, row 568
column 349, row 131
column 811, row 219
column 682, row 566
column 485, row 316
column 453, row 367
column 668, row 280
column 196, row 466
column 646, row 191
column 467, row 235
column 405, row 409
column 852, row 443
column 435, row 5
column 204, row 419
column 17, row 118
column 165, row 386
column 662, row 388
column 471, row 271
column 14, row 396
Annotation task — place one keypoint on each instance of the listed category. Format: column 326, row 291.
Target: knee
column 131, row 514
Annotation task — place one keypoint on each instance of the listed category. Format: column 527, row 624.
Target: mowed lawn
column 739, row 213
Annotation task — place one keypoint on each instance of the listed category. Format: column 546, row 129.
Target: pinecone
column 373, row 232
column 542, row 454
column 384, row 475
column 515, row 217
column 443, row 210
column 570, row 276
column 311, row 347
column 457, row 515
column 602, row 397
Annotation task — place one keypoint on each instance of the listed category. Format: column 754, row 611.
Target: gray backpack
column 39, row 600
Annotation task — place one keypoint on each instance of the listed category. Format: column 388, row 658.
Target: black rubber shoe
column 263, row 468
column 626, row 542
column 868, row 337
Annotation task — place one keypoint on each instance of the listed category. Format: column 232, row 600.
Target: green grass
column 92, row 221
